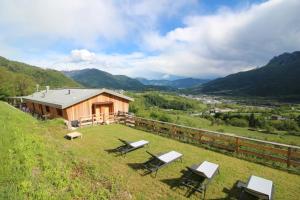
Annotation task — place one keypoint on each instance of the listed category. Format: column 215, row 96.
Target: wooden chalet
column 78, row 105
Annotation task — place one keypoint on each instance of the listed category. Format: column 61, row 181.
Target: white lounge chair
column 130, row 146
column 258, row 187
column 158, row 161
column 198, row 176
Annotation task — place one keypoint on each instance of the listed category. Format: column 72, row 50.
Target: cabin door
column 97, row 110
column 105, row 112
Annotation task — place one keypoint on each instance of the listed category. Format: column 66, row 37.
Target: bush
column 285, row 125
column 153, row 115
column 133, row 108
column 217, row 122
column 238, row 122
column 261, row 122
column 296, row 133
column 164, row 118
column 270, row 129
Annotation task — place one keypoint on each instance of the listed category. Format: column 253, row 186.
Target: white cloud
column 79, row 55
column 228, row 41
column 82, row 22
column 211, row 45
column 166, row 76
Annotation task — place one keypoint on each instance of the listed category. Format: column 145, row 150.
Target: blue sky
column 149, row 38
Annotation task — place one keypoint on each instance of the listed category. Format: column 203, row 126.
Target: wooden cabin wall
column 84, row 108
column 35, row 107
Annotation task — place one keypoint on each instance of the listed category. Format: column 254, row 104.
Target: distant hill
column 280, row 77
column 179, row 83
column 95, row 78
column 18, row 78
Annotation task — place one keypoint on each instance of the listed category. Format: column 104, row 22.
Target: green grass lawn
column 38, row 163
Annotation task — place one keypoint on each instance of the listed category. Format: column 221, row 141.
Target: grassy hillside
column 38, row 163
column 18, row 78
column 35, row 166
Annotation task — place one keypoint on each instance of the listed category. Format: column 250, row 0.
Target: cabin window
column 59, row 112
column 47, row 109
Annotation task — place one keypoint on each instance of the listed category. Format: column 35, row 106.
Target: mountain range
column 94, row 78
column 178, row 83
column 279, row 77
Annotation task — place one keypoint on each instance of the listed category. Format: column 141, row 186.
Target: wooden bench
column 74, row 135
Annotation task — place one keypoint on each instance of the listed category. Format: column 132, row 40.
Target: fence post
column 173, row 130
column 237, row 145
column 288, row 161
column 153, row 126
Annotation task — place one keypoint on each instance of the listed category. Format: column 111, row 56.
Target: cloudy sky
column 149, row 38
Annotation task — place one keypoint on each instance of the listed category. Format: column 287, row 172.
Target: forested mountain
column 18, row 79
column 179, row 83
column 280, row 77
column 95, row 78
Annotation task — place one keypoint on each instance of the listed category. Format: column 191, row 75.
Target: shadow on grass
column 232, row 193
column 115, row 151
column 176, row 183
column 67, row 137
column 139, row 167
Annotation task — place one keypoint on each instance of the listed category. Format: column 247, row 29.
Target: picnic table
column 74, row 135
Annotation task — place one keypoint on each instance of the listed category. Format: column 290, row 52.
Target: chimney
column 47, row 88
column 37, row 87
column 69, row 91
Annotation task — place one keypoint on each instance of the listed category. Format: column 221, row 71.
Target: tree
column 298, row 120
column 24, row 85
column 252, row 121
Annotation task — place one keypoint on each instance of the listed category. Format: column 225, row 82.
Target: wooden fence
column 97, row 119
column 274, row 154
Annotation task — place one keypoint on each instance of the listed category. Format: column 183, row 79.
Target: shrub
column 217, row 122
column 164, row 118
column 252, row 121
column 270, row 129
column 285, row 125
column 260, row 122
column 238, row 122
column 296, row 133
column 153, row 115
column 133, row 108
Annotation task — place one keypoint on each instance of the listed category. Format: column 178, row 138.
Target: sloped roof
column 60, row 98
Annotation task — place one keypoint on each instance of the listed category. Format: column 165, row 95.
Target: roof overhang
column 63, row 106
column 103, row 103
column 45, row 103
